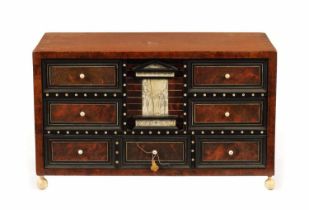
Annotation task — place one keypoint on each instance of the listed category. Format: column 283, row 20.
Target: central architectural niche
column 155, row 104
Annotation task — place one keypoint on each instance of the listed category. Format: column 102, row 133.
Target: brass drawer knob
column 227, row 114
column 231, row 152
column 80, row 152
column 227, row 76
column 81, row 75
column 82, row 114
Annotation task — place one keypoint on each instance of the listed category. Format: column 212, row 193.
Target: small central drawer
column 172, row 151
column 206, row 113
column 66, row 113
column 230, row 152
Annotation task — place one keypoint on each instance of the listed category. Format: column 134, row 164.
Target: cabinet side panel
column 37, row 83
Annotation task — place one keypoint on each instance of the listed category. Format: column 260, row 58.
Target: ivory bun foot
column 270, row 183
column 42, row 183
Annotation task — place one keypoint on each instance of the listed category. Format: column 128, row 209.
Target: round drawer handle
column 231, row 152
column 82, row 114
column 227, row 114
column 227, row 76
column 82, row 75
column 80, row 152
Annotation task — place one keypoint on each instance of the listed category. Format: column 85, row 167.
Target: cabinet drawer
column 83, row 113
column 61, row 76
column 76, row 152
column 226, row 113
column 171, row 151
column 227, row 75
column 230, row 152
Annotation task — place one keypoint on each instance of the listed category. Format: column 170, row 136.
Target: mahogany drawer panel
column 207, row 113
column 228, row 74
column 70, row 75
column 231, row 152
column 171, row 151
column 78, row 152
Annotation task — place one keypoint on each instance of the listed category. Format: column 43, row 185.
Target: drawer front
column 226, row 113
column 172, row 152
column 72, row 75
column 225, row 74
column 63, row 152
column 68, row 113
column 231, row 152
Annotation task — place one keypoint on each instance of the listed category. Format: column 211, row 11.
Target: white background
column 24, row 22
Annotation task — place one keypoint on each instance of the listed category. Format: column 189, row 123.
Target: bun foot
column 270, row 183
column 42, row 183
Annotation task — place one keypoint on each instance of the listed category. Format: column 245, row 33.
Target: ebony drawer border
column 72, row 164
column 229, row 88
column 232, row 164
column 145, row 165
column 75, row 62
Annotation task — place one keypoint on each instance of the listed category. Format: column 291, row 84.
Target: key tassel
column 154, row 167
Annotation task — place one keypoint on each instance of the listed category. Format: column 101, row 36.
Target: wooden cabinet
column 154, row 104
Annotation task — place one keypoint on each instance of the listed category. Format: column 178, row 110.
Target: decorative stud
column 76, row 94
column 124, row 114
column 117, row 162
column 184, row 75
column 86, row 132
column 125, row 132
column 192, row 150
column 77, row 132
column 105, row 94
column 261, row 132
column 124, row 104
column 67, row 132
column 58, row 132
column 233, row 94
column 185, row 123
column 167, row 132
column 150, row 132
column 184, row 66
column 117, row 142
column 96, row 132
column 243, row 95
column 66, row 94
column 192, row 132
column 184, row 104
column 116, row 152
column 57, row 94
column 176, row 132
column 115, row 94
column 223, row 94
column 95, row 94
column 46, row 94
column 202, row 132
column 214, row 95
column 124, row 75
column 48, row 132
column 252, row 132
column 184, row 132
column 212, row 132
column 252, row 94
column 204, row 94
column 141, row 132
column 192, row 159
column 158, row 132
column 115, row 132
column 124, row 94
column 242, row 132
column 222, row 132
column 105, row 132
column 124, row 84
column 262, row 94
column 124, row 65
column 194, row 94
column 124, row 123
column 85, row 95
column 185, row 85
column 192, row 142
column 185, row 113
column 185, row 95
column 232, row 132
column 133, row 132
